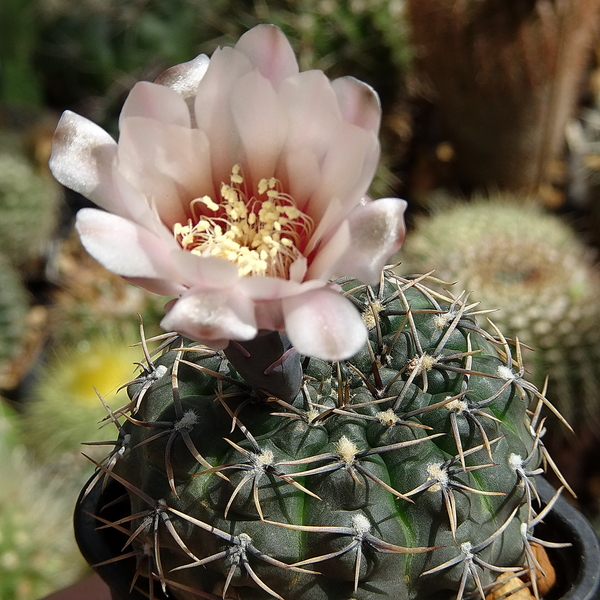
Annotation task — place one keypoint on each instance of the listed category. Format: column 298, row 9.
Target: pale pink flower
column 238, row 186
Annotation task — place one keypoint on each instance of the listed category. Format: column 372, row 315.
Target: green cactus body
column 405, row 472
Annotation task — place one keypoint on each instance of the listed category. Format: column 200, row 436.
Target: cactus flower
column 238, row 186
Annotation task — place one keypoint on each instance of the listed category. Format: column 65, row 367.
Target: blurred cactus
column 38, row 553
column 14, row 300
column 29, row 205
column 62, row 410
column 532, row 266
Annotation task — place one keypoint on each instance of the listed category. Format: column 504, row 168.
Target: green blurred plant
column 38, row 553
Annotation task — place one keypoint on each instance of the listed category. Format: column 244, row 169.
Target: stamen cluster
column 262, row 234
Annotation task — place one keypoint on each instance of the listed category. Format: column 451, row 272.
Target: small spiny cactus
column 405, row 472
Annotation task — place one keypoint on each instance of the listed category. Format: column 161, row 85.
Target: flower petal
column 208, row 272
column 82, row 158
column 206, row 315
column 324, row 265
column 184, row 78
column 261, row 123
column 270, row 51
column 125, row 248
column 157, row 102
column 169, row 164
column 212, row 109
column 325, row 324
column 347, row 169
column 376, row 232
column 312, row 109
column 359, row 103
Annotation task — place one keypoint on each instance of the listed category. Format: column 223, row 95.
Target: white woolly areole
column 346, row 449
column 505, row 373
column 387, row 417
column 187, row 422
column 437, row 472
column 264, row 459
column 456, row 405
column 515, row 461
column 361, row 524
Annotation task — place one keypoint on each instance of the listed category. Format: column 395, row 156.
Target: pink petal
column 184, row 78
column 125, row 248
column 157, row 102
column 325, row 324
column 206, row 315
column 302, row 173
column 347, row 169
column 212, row 109
column 170, row 164
column 273, row 288
column 82, row 158
column 270, row 51
column 376, row 231
column 207, row 272
column 261, row 123
column 312, row 109
column 324, row 264
column 359, row 103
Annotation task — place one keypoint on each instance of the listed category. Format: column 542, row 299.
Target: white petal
column 359, row 103
column 377, row 231
column 157, row 102
column 206, row 272
column 168, row 163
column 303, row 174
column 312, row 109
column 261, row 123
column 82, row 158
column 184, row 78
column 347, row 169
column 325, row 324
column 202, row 314
column 125, row 248
column 212, row 109
column 324, row 264
column 270, row 51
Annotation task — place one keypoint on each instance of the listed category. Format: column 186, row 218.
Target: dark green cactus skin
column 369, row 508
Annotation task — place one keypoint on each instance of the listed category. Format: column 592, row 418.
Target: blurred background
column 491, row 131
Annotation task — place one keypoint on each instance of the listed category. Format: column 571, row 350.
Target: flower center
column 261, row 234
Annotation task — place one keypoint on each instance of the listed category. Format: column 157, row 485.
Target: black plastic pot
column 577, row 567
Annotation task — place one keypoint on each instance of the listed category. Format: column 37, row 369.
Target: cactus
column 25, row 192
column 14, row 300
column 38, row 553
column 532, row 266
column 407, row 471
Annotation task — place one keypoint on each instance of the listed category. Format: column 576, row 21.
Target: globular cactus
column 38, row 553
column 405, row 472
column 14, row 300
column 29, row 205
column 532, row 266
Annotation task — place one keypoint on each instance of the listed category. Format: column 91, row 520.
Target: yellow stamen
column 260, row 234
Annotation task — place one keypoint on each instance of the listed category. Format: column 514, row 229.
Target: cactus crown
column 405, row 472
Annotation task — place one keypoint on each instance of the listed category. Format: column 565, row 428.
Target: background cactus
column 404, row 472
column 24, row 193
column 533, row 267
column 34, row 507
column 14, row 300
